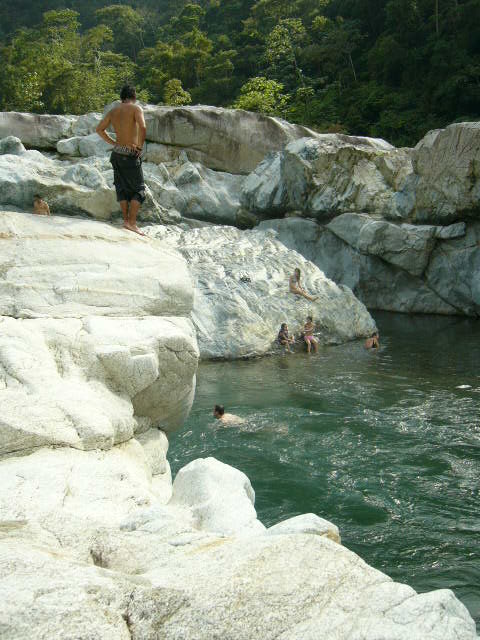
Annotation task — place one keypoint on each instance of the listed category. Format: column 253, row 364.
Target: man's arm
column 142, row 127
column 102, row 129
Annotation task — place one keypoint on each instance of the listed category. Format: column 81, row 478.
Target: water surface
column 386, row 445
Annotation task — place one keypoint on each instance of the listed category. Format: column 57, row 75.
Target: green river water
column 386, row 445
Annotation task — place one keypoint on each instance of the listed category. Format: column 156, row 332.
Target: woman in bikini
column 308, row 336
column 296, row 287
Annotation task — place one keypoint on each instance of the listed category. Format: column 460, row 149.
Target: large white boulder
column 93, row 382
column 84, row 146
column 333, row 174
column 242, row 292
column 221, row 498
column 85, row 361
column 211, row 196
column 68, row 267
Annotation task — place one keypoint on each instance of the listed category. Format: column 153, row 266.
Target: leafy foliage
column 390, row 68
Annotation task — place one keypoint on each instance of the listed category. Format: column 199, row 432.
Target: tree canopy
column 389, row 68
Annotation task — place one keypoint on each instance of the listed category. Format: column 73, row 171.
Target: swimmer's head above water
column 218, row 411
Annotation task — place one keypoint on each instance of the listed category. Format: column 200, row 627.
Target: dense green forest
column 389, row 68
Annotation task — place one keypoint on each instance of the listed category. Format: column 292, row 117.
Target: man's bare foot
column 135, row 229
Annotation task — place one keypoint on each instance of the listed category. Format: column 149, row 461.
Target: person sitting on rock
column 373, row 342
column 309, row 338
column 40, row 207
column 284, row 338
column 227, row 418
column 296, row 287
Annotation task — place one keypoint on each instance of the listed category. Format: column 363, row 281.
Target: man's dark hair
column 37, row 197
column 310, row 318
column 220, row 409
column 128, row 92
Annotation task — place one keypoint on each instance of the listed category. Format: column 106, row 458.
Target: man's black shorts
column 128, row 177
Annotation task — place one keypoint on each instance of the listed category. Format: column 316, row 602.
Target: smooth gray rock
column 207, row 195
column 405, row 246
column 34, row 130
column 84, row 146
column 333, row 174
column 447, row 162
column 378, row 284
column 229, row 140
column 454, row 271
column 11, row 145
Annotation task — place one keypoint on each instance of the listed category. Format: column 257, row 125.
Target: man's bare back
column 128, row 123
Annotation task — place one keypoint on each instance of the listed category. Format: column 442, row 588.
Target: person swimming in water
column 296, row 287
column 308, row 336
column 373, row 342
column 226, row 418
column 284, row 337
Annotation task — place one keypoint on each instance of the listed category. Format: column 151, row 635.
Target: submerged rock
column 242, row 292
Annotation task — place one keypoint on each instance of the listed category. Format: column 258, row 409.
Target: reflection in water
column 384, row 444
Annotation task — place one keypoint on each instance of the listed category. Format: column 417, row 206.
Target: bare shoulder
column 230, row 418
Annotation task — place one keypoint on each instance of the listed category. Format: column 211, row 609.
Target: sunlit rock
column 242, row 292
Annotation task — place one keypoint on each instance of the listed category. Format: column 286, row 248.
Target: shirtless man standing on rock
column 129, row 125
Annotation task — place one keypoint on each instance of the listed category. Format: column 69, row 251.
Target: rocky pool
column 386, row 445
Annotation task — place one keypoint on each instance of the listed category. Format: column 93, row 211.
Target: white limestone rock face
column 91, row 383
column 447, row 162
column 221, row 498
column 333, row 174
column 242, row 295
column 85, row 361
column 228, row 140
column 68, row 267
column 34, row 130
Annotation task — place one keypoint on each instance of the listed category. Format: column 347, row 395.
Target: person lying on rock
column 40, row 207
column 227, row 418
column 373, row 342
column 284, row 337
column 308, row 336
column 296, row 287
column 128, row 122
